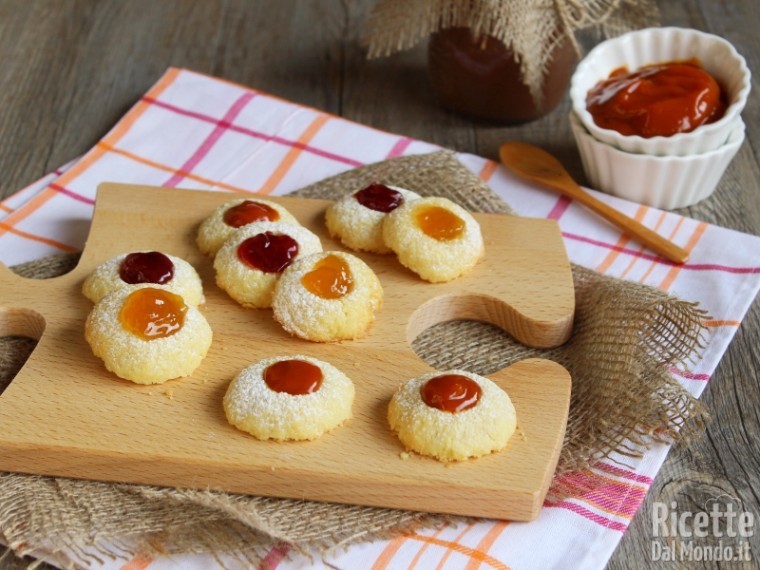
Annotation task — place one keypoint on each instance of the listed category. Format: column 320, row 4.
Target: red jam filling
column 451, row 393
column 146, row 267
column 268, row 252
column 248, row 212
column 380, row 198
column 295, row 377
column 151, row 313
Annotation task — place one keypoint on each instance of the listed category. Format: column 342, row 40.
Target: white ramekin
column 661, row 181
column 654, row 45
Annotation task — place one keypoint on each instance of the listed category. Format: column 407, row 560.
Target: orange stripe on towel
column 654, row 264
column 293, row 154
column 94, row 155
column 621, row 242
column 488, row 169
column 486, row 543
column 676, row 269
column 164, row 167
column 466, row 550
column 636, row 258
column 33, row 237
column 717, row 323
column 139, row 562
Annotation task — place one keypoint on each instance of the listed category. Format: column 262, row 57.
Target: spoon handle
column 649, row 238
column 537, row 165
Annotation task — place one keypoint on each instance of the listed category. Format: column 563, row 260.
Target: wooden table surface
column 70, row 69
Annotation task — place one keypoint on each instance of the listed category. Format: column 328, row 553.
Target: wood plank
column 86, row 423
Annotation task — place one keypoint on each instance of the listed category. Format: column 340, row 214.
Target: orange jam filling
column 248, row 212
column 662, row 99
column 330, row 278
column 150, row 313
column 451, row 393
column 295, row 377
column 439, row 223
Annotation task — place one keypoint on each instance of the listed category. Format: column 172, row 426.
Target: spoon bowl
column 535, row 164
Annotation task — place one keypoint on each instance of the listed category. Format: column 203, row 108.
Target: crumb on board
column 404, row 456
column 169, row 393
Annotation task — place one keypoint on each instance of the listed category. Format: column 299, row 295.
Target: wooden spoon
column 533, row 163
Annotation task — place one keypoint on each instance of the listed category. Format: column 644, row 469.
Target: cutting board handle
column 21, row 322
column 6, row 275
column 17, row 321
column 66, row 415
column 485, row 308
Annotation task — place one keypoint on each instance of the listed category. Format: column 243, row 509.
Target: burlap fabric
column 625, row 338
column 530, row 28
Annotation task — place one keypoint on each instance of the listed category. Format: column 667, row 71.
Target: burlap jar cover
column 531, row 29
column 625, row 338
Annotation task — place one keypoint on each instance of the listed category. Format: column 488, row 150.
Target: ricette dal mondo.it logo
column 719, row 532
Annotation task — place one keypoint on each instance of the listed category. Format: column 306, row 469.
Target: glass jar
column 481, row 78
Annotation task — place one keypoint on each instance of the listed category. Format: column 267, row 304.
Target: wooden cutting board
column 66, row 415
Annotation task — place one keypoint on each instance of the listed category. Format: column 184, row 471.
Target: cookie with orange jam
column 452, row 416
column 235, row 214
column 289, row 398
column 434, row 237
column 327, row 297
column 148, row 335
column 145, row 267
column 357, row 219
column 250, row 262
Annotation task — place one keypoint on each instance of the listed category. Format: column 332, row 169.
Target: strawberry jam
column 295, row 377
column 451, row 393
column 268, row 252
column 146, row 267
column 380, row 198
column 248, row 212
column 439, row 223
column 151, row 313
column 330, row 278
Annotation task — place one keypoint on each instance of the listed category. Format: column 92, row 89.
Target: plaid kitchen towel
column 193, row 131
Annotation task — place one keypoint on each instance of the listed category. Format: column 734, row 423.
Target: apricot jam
column 451, row 393
column 146, row 267
column 151, row 313
column 248, row 212
column 657, row 100
column 439, row 223
column 380, row 198
column 295, row 377
column 330, row 278
column 268, row 252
